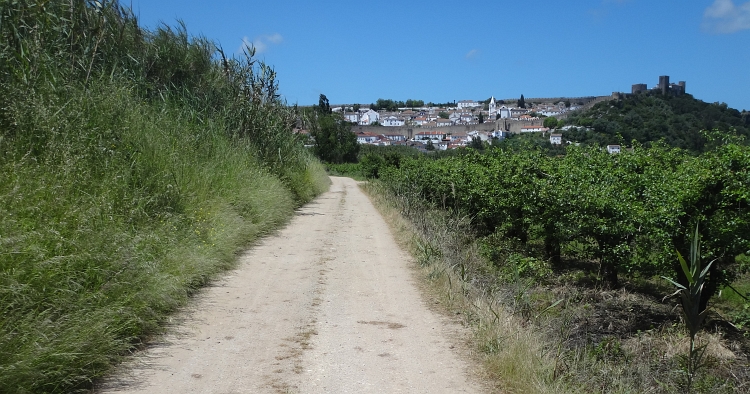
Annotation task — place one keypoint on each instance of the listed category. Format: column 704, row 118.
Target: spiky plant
column 690, row 297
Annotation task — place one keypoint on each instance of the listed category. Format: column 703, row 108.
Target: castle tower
column 493, row 108
column 664, row 84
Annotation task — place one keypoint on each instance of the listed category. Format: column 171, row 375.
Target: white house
column 517, row 112
column 392, row 121
column 429, row 135
column 531, row 129
column 458, row 137
column 366, row 138
column 368, row 117
column 555, row 139
column 504, row 112
column 551, row 112
column 444, row 122
column 468, row 104
column 395, row 137
column 498, row 134
column 352, row 117
column 613, row 148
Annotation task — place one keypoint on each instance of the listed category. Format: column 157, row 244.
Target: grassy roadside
column 514, row 357
column 134, row 164
column 104, row 235
column 535, row 332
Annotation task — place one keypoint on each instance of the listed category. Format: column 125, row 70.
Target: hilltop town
column 443, row 127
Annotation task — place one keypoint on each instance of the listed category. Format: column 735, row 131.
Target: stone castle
column 675, row 89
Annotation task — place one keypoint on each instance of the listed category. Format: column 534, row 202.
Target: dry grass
column 593, row 340
column 514, row 358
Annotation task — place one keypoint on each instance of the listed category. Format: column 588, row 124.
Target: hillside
column 649, row 117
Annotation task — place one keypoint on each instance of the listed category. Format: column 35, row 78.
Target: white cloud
column 261, row 43
column 472, row 54
column 724, row 17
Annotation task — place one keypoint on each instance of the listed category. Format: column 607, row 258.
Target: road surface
column 327, row 305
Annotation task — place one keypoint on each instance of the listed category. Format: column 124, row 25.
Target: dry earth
column 327, row 305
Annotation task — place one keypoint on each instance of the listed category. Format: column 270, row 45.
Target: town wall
column 573, row 100
column 508, row 125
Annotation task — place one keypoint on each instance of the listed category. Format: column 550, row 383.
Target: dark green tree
column 521, row 102
column 443, row 115
column 481, row 118
column 334, row 140
column 323, row 106
column 476, row 143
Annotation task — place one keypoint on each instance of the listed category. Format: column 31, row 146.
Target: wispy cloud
column 472, row 54
column 725, row 17
column 261, row 43
column 602, row 11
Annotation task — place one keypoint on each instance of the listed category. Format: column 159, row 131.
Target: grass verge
column 514, row 357
column 125, row 209
column 537, row 332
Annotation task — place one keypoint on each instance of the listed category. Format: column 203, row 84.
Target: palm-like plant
column 690, row 297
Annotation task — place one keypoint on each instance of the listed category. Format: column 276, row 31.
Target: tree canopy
column 521, row 102
column 334, row 140
column 647, row 118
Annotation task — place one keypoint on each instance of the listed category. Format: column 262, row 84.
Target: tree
column 323, row 106
column 521, row 102
column 334, row 140
column 550, row 122
column 481, row 118
column 443, row 115
column 429, row 145
column 476, row 143
column 356, row 107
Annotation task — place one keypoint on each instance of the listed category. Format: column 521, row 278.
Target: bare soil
column 327, row 305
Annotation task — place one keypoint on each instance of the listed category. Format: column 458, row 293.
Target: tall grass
column 133, row 166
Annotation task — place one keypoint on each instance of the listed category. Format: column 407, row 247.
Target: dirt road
column 328, row 305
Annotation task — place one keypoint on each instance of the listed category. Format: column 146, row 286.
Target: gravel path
column 327, row 305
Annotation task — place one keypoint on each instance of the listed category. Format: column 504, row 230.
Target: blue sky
column 357, row 52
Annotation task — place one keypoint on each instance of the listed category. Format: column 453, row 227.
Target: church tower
column 493, row 108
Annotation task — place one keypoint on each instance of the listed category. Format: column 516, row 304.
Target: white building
column 493, row 108
column 555, row 139
column 505, row 112
column 613, row 148
column 368, row 117
column 367, row 138
column 392, row 121
column 352, row 117
column 468, row 104
column 532, row 129
column 551, row 112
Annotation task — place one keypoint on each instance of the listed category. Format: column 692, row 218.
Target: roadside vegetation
column 559, row 262
column 134, row 164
